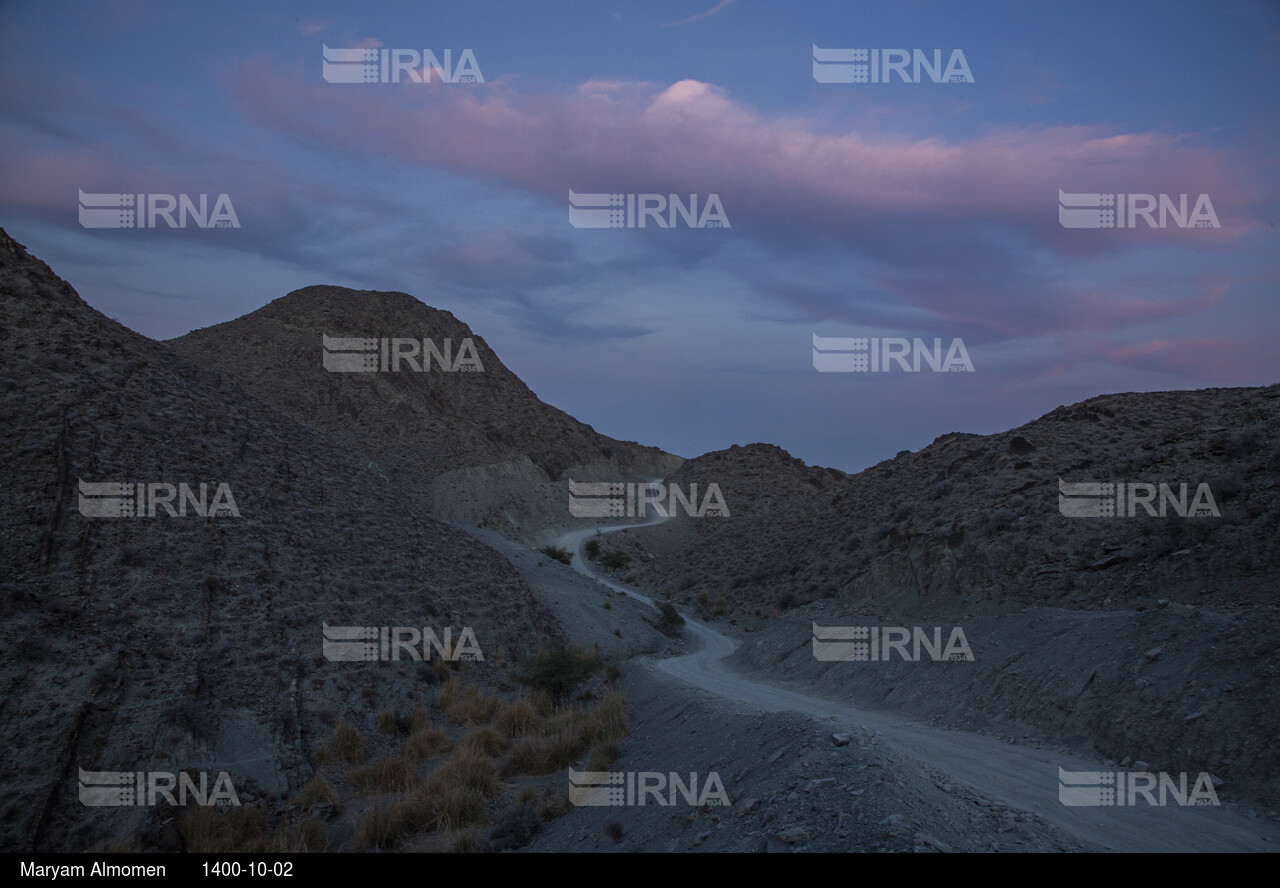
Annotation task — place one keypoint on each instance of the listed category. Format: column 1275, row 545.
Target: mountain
column 161, row 643
column 1147, row 636
column 416, row 424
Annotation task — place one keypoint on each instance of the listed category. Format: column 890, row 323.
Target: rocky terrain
column 439, row 499
column 1143, row 638
column 414, row 425
column 162, row 643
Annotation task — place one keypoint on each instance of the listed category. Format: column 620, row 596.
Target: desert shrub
column 214, row 830
column 669, row 620
column 560, row 670
column 522, row 716
column 383, row 826
column 470, row 705
column 558, row 554
column 469, row 769
column 394, row 773
column 315, row 791
column 485, row 741
column 425, row 740
column 306, row 837
column 348, row 742
column 592, row 548
column 615, row 560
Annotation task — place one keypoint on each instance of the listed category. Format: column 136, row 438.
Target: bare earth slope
column 161, row 643
column 1143, row 638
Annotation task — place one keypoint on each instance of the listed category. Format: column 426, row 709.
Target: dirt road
column 1022, row 777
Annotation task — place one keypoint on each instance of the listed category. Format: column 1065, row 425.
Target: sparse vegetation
column 615, row 560
column 669, row 620
column 348, row 743
column 560, row 670
column 558, row 554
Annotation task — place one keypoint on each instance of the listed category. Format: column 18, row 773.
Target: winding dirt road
column 1020, row 776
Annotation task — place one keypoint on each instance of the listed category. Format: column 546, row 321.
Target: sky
column 907, row 209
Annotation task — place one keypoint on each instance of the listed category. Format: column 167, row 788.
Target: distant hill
column 414, row 425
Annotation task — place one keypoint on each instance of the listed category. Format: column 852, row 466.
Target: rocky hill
column 161, row 643
column 412, row 416
column 1147, row 637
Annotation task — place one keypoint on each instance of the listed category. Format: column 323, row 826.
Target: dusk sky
column 855, row 209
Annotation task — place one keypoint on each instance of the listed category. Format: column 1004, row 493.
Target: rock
column 1020, row 445
column 1162, row 602
column 1141, row 766
column 1217, row 782
column 775, row 845
column 1126, row 761
column 892, row 820
column 777, row 755
column 323, row 810
column 1109, row 561
column 840, row 739
column 1152, row 655
column 793, row 835
column 702, row 837
column 1195, row 715
column 749, row 805
column 922, row 839
column 819, row 783
column 841, row 818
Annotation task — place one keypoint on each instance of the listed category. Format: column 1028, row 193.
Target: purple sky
column 856, row 209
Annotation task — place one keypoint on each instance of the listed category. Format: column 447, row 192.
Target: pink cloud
column 1219, row 359
column 692, row 137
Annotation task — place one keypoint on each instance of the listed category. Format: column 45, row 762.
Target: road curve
column 1022, row 777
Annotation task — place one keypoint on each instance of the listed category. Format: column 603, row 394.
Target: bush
column 615, row 560
column 592, row 548
column 669, row 620
column 348, row 743
column 558, row 554
column 560, row 670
